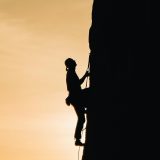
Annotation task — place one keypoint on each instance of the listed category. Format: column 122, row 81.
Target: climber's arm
column 84, row 77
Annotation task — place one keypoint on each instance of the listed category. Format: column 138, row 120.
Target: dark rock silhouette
column 116, row 36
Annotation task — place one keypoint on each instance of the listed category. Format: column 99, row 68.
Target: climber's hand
column 68, row 101
column 87, row 74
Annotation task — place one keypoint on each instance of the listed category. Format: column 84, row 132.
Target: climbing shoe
column 79, row 143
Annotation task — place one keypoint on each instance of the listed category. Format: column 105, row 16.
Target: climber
column 75, row 97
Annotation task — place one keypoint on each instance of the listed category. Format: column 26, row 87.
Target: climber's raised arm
column 84, row 77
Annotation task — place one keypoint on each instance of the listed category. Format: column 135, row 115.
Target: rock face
column 116, row 36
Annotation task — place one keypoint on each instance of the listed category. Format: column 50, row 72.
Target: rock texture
column 116, row 37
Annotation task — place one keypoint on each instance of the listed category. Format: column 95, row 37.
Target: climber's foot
column 79, row 143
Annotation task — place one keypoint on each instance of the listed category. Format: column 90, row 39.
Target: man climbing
column 75, row 97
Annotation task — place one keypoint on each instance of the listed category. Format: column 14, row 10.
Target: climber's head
column 70, row 64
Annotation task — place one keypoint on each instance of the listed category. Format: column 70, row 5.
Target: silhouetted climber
column 76, row 96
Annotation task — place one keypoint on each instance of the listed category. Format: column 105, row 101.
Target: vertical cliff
column 116, row 36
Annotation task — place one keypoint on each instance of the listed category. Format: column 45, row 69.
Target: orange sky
column 36, row 36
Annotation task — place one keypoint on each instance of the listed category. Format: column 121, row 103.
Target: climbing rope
column 80, row 146
column 88, row 69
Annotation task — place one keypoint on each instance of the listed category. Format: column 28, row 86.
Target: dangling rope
column 88, row 69
column 80, row 146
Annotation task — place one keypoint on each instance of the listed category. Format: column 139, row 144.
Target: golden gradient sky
column 36, row 36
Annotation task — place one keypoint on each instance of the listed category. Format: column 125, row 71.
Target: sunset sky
column 36, row 36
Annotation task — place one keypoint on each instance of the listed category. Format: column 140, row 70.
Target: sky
column 36, row 36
